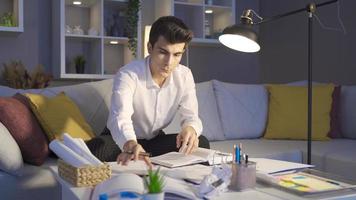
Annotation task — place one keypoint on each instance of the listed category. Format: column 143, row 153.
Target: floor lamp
column 243, row 38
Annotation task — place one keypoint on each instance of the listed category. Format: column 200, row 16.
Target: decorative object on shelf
column 79, row 62
column 133, row 8
column 16, row 76
column 92, row 31
column 7, row 20
column 117, row 27
column 69, row 29
column 78, row 30
column 209, row 2
column 155, row 183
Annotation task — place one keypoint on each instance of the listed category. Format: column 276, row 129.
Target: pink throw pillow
column 17, row 117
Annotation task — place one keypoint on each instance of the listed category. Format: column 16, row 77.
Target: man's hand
column 131, row 151
column 187, row 140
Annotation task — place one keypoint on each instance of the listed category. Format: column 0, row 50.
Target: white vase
column 154, row 196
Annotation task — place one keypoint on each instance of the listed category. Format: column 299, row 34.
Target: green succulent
column 154, row 181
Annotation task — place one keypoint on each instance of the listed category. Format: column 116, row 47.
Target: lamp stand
column 311, row 9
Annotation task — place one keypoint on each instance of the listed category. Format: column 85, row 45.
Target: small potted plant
column 155, row 183
column 79, row 64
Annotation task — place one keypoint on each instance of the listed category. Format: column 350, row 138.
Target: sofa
column 231, row 114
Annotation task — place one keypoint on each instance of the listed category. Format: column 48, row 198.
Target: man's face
column 165, row 57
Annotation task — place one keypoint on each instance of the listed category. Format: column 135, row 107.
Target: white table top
column 260, row 192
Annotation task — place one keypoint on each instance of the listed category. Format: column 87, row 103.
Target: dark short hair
column 172, row 29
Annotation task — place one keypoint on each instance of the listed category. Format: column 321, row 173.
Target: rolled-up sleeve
column 188, row 106
column 121, row 109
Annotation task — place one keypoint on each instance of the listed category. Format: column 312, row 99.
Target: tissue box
column 83, row 176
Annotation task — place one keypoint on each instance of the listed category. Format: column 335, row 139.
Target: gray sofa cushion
column 243, row 109
column 348, row 111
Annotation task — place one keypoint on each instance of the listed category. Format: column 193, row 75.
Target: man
column 148, row 93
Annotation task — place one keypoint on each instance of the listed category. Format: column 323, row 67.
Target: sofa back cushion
column 208, row 113
column 242, row 109
column 348, row 111
column 287, row 116
column 335, row 124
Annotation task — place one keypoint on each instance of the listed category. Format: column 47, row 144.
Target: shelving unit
column 15, row 7
column 95, row 30
column 106, row 21
column 195, row 13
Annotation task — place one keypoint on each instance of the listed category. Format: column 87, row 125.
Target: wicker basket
column 83, row 176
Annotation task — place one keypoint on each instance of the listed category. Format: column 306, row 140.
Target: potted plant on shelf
column 79, row 62
column 155, row 183
column 7, row 20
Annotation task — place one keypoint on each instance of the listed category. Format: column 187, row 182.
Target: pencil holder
column 243, row 176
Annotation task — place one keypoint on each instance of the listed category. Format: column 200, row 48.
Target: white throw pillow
column 10, row 154
column 243, row 109
column 348, row 111
column 208, row 113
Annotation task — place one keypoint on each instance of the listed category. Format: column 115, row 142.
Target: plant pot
column 154, row 196
column 79, row 69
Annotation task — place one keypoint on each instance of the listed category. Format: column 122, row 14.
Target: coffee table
column 262, row 191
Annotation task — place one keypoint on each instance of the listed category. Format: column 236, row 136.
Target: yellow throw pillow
column 59, row 115
column 287, row 114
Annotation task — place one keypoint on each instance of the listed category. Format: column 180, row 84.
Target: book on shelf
column 129, row 182
column 201, row 155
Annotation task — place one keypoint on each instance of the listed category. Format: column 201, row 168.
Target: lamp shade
column 241, row 38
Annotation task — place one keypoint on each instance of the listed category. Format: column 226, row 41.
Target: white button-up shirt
column 140, row 108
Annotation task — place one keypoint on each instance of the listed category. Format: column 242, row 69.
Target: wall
column 283, row 55
column 32, row 46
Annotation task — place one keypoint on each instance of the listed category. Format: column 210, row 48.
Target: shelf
column 82, row 36
column 83, row 17
column 89, row 48
column 204, row 42
column 115, row 20
column 87, row 30
column 219, row 3
column 192, row 16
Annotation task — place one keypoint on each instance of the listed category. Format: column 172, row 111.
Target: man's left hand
column 187, row 140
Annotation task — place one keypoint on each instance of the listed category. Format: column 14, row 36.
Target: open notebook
column 128, row 182
column 201, row 155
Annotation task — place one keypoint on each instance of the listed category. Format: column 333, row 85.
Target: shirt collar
column 149, row 80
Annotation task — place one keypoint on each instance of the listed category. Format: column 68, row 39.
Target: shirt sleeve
column 188, row 107
column 121, row 109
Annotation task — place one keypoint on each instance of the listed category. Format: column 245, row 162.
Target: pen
column 237, row 154
column 141, row 153
column 240, row 152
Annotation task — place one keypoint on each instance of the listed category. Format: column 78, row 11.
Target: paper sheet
column 270, row 166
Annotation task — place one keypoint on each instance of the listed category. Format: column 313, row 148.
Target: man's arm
column 120, row 122
column 187, row 139
column 121, row 109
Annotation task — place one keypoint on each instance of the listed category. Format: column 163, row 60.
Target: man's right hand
column 131, row 151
